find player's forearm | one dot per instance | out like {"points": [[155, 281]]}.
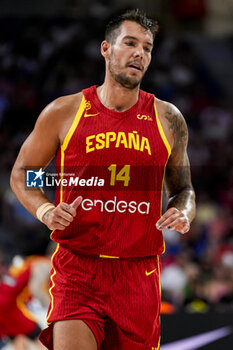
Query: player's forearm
{"points": [[185, 202], [30, 199], [35, 201]]}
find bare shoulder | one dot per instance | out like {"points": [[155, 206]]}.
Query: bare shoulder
{"points": [[59, 114], [173, 122], [62, 107]]}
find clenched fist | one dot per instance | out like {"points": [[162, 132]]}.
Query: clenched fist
{"points": [[174, 219], [61, 216]]}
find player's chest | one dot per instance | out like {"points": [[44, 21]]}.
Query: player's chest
{"points": [[105, 140]]}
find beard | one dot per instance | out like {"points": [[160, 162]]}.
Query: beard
{"points": [[126, 81]]}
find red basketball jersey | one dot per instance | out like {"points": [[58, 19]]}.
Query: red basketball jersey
{"points": [[116, 162]]}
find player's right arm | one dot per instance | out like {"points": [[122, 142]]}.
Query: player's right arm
{"points": [[37, 151]]}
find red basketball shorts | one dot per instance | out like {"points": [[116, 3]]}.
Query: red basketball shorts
{"points": [[119, 299]]}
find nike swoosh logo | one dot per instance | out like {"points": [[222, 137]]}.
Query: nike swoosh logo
{"points": [[90, 115], [149, 273], [197, 341]]}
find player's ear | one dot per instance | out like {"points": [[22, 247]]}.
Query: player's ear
{"points": [[105, 49]]}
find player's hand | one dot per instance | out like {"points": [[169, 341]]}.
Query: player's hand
{"points": [[174, 219], [61, 216]]}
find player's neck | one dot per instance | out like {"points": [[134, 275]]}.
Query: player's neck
{"points": [[115, 97]]}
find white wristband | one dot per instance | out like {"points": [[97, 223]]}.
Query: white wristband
{"points": [[43, 209]]}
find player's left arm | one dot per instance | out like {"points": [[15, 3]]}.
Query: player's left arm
{"points": [[181, 197]]}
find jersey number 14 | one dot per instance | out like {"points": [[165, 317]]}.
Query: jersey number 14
{"points": [[122, 175]]}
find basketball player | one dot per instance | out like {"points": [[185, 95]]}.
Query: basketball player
{"points": [[117, 141]]}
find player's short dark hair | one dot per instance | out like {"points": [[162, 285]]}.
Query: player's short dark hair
{"points": [[135, 15]]}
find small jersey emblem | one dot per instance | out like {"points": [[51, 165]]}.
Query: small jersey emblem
{"points": [[144, 117], [90, 115], [88, 107], [150, 272]]}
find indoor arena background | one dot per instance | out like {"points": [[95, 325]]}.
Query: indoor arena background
{"points": [[51, 48]]}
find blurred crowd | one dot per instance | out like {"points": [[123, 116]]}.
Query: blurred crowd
{"points": [[41, 59]]}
